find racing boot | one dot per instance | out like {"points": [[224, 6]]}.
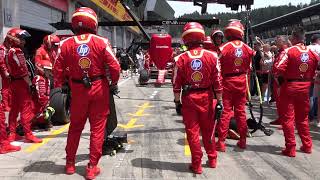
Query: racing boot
{"points": [[306, 150], [242, 143], [30, 138], [221, 146], [7, 148], [70, 168], [14, 137], [290, 152], [195, 170], [92, 172], [212, 163]]}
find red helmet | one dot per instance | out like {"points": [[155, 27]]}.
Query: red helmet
{"points": [[42, 65], [216, 32], [207, 43], [193, 32], [84, 19], [50, 40], [234, 30], [15, 36]]}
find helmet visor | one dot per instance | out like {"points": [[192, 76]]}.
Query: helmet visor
{"points": [[23, 35]]}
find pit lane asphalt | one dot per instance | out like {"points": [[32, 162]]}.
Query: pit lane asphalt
{"points": [[156, 150]]}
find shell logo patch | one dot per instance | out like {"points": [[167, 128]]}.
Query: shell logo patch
{"points": [[303, 67], [196, 76], [238, 62], [85, 63]]}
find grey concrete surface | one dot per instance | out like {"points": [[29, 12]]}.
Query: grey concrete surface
{"points": [[156, 150]]}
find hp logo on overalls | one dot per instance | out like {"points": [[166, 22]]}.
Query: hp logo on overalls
{"points": [[83, 50], [196, 64]]}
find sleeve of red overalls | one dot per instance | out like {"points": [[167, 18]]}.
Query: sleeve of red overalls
{"points": [[3, 67], [177, 78], [38, 56], [216, 76], [18, 57], [59, 71], [113, 64], [282, 64], [40, 85]]}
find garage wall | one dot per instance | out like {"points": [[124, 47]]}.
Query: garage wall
{"points": [[35, 15]]}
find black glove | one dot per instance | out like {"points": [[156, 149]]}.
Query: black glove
{"points": [[218, 110], [32, 89], [114, 89], [178, 107]]}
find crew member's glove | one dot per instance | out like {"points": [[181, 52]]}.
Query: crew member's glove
{"points": [[178, 106], [32, 89], [114, 89], [219, 110]]}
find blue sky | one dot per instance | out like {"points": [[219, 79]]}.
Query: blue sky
{"points": [[183, 7]]}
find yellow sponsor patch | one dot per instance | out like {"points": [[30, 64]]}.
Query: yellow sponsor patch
{"points": [[303, 67], [85, 63], [197, 76], [238, 62]]}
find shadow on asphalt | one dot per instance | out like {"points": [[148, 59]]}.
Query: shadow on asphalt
{"points": [[270, 149], [156, 130], [50, 167], [160, 165]]}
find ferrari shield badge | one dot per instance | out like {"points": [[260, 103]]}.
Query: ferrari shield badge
{"points": [[84, 63]]}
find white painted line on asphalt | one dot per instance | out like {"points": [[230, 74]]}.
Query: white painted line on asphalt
{"points": [[122, 82]]}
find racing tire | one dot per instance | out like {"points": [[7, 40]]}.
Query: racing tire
{"points": [[60, 103], [143, 77]]}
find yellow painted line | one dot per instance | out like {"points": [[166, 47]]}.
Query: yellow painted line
{"points": [[145, 105], [139, 113], [53, 134], [130, 124], [187, 151]]}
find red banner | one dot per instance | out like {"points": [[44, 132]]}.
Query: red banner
{"points": [[58, 4]]}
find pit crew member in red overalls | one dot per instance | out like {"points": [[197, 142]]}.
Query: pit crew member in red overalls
{"points": [[21, 86], [297, 68], [41, 82], [235, 59], [5, 89], [5, 146], [48, 49], [281, 44], [197, 72], [83, 59]]}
